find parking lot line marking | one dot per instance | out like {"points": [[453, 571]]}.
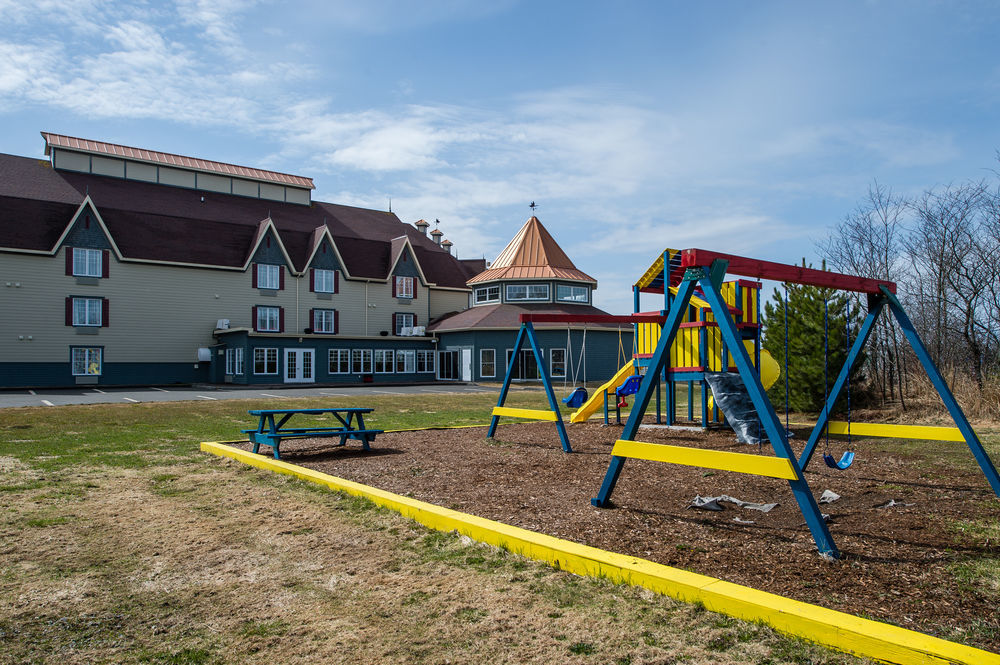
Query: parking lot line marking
{"points": [[206, 397], [160, 390], [387, 392], [32, 392], [129, 399], [335, 394], [47, 402], [270, 395], [98, 390]]}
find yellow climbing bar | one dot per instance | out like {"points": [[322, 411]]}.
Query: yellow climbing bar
{"points": [[924, 432], [534, 414], [757, 465]]}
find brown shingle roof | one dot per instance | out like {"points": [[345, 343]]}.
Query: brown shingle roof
{"points": [[507, 316], [532, 254], [169, 159], [159, 223]]}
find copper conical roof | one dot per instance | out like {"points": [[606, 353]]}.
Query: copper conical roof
{"points": [[532, 254]]}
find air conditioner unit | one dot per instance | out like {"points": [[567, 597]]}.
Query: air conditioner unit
{"points": [[222, 324], [406, 331], [419, 331]]}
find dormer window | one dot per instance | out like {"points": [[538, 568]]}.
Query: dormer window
{"points": [[268, 276], [567, 293], [527, 292], [88, 262], [404, 287]]}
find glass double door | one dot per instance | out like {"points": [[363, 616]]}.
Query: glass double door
{"points": [[300, 365]]}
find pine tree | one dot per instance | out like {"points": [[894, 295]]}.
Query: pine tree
{"points": [[807, 354]]}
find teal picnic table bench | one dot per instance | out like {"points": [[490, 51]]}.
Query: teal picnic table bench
{"points": [[272, 427]]}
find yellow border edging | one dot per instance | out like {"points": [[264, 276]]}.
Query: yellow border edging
{"points": [[841, 631]]}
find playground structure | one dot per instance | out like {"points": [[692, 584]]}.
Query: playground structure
{"points": [[687, 274]]}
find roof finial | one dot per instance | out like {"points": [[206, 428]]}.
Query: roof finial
{"points": [[532, 205], [390, 204]]}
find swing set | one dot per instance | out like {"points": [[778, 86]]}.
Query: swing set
{"points": [[705, 270]]}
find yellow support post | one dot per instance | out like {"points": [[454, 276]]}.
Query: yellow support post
{"points": [[533, 414], [756, 465]]}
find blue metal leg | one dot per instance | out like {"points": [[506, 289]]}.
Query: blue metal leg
{"points": [[502, 399], [775, 433], [875, 306], [641, 401], [971, 439], [547, 383]]}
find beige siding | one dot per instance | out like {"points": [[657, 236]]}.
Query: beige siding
{"points": [[213, 183], [107, 166], [176, 177], [245, 187], [140, 171], [296, 195], [73, 161], [442, 302], [272, 192]]}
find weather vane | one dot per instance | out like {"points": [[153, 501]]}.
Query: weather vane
{"points": [[532, 205]]}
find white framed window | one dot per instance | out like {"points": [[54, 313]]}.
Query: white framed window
{"points": [[234, 361], [384, 361], [361, 361], [324, 321], [340, 361], [87, 311], [527, 292], [269, 319], [406, 361], [487, 363], [265, 360], [425, 361], [324, 281], [86, 361], [557, 363], [569, 293], [405, 286], [88, 262], [487, 294], [404, 320], [268, 276]]}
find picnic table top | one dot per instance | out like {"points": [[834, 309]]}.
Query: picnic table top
{"points": [[340, 409]]}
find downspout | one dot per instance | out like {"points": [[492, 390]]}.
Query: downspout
{"points": [[366, 308]]}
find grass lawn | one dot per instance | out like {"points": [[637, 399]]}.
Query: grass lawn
{"points": [[121, 543]]}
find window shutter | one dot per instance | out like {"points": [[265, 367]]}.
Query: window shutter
{"points": [[105, 263], [312, 319], [281, 278], [254, 315], [414, 320], [281, 319], [394, 328], [336, 321], [336, 281], [254, 285], [69, 261], [393, 286], [105, 312], [415, 283], [69, 311], [312, 280]]}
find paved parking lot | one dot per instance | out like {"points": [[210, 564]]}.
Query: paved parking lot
{"points": [[92, 395]]}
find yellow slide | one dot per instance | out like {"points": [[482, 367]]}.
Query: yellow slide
{"points": [[596, 400]]}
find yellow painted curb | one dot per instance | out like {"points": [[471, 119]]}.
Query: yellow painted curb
{"points": [[844, 632]]}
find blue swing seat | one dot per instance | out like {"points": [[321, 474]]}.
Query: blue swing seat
{"points": [[576, 398], [630, 387], [845, 461]]}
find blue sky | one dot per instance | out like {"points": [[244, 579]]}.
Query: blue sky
{"points": [[745, 127]]}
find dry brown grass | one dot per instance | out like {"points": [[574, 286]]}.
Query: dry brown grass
{"points": [[205, 561]]}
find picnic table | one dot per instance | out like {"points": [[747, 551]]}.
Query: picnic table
{"points": [[272, 427]]}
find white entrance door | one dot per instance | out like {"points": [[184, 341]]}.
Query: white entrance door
{"points": [[467, 364], [299, 365]]}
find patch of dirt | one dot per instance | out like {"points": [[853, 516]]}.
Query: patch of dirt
{"points": [[898, 563]]}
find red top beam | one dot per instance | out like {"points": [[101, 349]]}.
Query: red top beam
{"points": [[593, 318], [780, 272]]}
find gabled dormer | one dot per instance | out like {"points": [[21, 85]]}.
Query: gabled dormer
{"points": [[268, 259], [405, 274], [87, 245], [325, 263]]}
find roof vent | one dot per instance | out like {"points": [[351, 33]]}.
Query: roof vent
{"points": [[447, 244], [421, 226]]}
